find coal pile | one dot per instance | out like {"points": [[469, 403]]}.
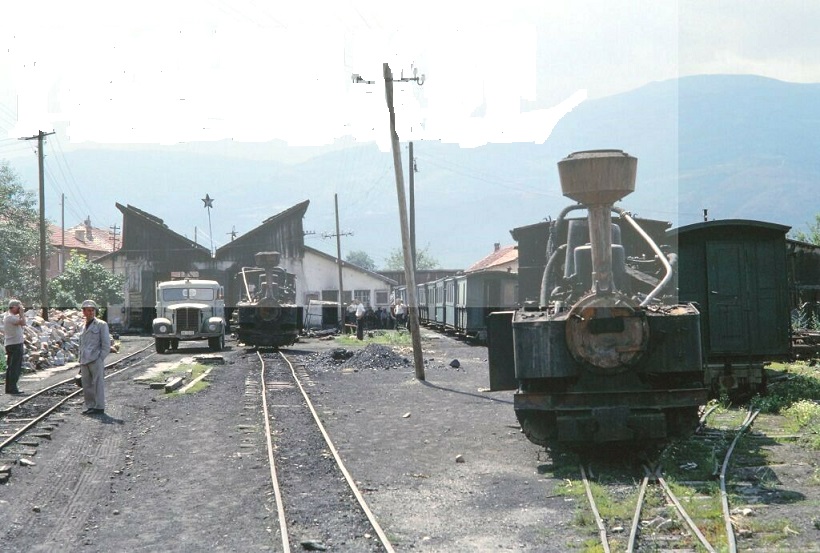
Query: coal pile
{"points": [[372, 356]]}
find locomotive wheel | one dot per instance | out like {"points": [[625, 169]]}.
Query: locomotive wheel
{"points": [[538, 426]]}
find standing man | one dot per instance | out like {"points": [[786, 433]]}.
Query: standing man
{"points": [[360, 311], [401, 312], [13, 323], [95, 343]]}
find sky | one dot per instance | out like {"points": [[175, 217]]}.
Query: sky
{"points": [[190, 72]]}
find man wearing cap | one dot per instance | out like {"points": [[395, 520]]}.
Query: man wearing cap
{"points": [[13, 323], [95, 343]]}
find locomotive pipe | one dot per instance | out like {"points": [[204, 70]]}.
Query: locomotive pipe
{"points": [[268, 260], [667, 267], [555, 228], [601, 241], [598, 179], [546, 280]]}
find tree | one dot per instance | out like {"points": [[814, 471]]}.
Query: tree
{"points": [[813, 235], [424, 261], [82, 280], [19, 238], [361, 259]]}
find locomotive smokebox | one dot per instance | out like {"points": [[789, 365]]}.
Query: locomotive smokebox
{"points": [[268, 260], [597, 179]]}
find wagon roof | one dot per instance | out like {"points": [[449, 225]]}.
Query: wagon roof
{"points": [[729, 223]]}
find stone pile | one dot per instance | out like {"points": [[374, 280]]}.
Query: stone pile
{"points": [[54, 342]]}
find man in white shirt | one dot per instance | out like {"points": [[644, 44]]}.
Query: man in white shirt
{"points": [[360, 311], [401, 314], [13, 323]]}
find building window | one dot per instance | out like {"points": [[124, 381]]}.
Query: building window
{"points": [[382, 297], [348, 297], [330, 295], [362, 296], [310, 296]]}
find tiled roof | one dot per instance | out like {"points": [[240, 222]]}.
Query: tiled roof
{"points": [[77, 238], [501, 256]]}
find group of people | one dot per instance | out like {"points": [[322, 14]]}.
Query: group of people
{"points": [[365, 318], [95, 343]]}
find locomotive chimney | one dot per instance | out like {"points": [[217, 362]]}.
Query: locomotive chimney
{"points": [[268, 260], [598, 179]]}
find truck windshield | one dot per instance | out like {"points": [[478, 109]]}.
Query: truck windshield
{"points": [[181, 294]]}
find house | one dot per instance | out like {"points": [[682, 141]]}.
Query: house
{"points": [[83, 239], [501, 259]]}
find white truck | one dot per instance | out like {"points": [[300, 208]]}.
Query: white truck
{"points": [[189, 310]]}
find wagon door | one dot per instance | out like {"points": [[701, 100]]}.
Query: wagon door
{"points": [[728, 304]]}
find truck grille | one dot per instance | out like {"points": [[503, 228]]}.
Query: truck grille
{"points": [[188, 319]]}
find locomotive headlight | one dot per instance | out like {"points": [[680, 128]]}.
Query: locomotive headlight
{"points": [[163, 328], [212, 327]]}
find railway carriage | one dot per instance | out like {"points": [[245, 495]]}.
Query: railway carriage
{"points": [[736, 272], [438, 303], [421, 298], [479, 294], [450, 301]]}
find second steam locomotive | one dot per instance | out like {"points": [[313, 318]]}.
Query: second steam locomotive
{"points": [[267, 315]]}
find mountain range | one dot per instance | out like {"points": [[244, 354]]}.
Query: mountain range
{"points": [[737, 146]]}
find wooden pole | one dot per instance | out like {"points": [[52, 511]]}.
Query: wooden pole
{"points": [[342, 311], [411, 182], [409, 273], [43, 281]]}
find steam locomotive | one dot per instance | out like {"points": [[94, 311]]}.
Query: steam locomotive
{"points": [[267, 314], [594, 363]]}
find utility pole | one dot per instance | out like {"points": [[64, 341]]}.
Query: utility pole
{"points": [[114, 233], [338, 236], [412, 170], [409, 269], [409, 255], [43, 282], [62, 234]]}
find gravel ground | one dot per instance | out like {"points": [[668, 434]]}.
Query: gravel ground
{"points": [[441, 463]]}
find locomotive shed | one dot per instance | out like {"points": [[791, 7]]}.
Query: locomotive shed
{"points": [[189, 473]]}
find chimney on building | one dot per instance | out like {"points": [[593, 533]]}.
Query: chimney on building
{"points": [[497, 246], [79, 234], [89, 234]]}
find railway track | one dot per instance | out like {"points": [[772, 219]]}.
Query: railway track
{"points": [[307, 473], [659, 531], [31, 419]]}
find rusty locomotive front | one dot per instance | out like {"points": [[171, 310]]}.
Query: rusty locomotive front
{"points": [[594, 363], [267, 314]]}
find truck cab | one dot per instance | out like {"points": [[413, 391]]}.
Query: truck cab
{"points": [[189, 310]]}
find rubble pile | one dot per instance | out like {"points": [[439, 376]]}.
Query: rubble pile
{"points": [[52, 343]]}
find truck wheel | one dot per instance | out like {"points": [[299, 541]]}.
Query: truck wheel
{"points": [[174, 344], [216, 343], [161, 344]]}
